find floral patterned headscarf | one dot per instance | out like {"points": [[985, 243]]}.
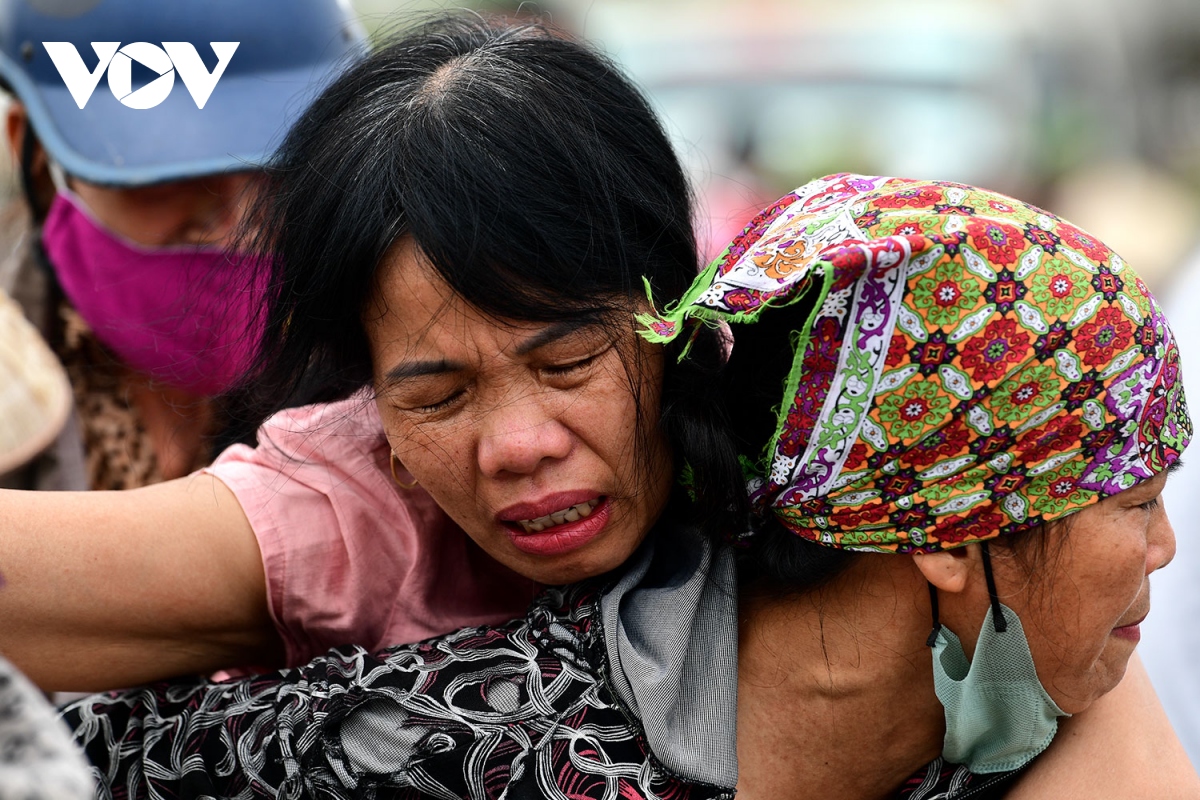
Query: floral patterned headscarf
{"points": [[972, 366]]}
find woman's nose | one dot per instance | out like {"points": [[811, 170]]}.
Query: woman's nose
{"points": [[519, 437], [1160, 541], [219, 207]]}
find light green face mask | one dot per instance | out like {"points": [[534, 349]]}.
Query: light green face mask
{"points": [[998, 715]]}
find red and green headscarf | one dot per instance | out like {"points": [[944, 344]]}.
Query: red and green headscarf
{"points": [[972, 365]]}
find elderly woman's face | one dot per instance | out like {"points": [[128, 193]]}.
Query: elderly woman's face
{"points": [[528, 435], [1082, 605]]}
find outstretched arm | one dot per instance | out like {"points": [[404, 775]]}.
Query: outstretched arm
{"points": [[109, 589], [1123, 746]]}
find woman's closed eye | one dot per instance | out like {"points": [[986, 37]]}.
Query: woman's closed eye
{"points": [[567, 366], [1149, 505], [571, 366], [442, 404], [431, 406]]}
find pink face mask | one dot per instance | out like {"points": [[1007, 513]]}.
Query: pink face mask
{"points": [[181, 315]]}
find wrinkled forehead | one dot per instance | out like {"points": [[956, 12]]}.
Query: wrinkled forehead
{"points": [[411, 309], [412, 312], [408, 296]]}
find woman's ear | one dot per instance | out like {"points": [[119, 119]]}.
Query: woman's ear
{"points": [[949, 570], [16, 125], [16, 129]]}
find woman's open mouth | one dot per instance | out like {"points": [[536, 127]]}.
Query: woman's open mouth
{"points": [[569, 514], [560, 531]]}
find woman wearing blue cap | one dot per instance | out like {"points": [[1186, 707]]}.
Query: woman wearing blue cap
{"points": [[133, 192]]}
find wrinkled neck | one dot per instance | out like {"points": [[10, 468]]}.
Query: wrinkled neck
{"points": [[841, 678]]}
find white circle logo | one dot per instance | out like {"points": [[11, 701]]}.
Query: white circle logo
{"points": [[120, 75]]}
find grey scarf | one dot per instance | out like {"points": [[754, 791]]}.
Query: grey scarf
{"points": [[670, 627]]}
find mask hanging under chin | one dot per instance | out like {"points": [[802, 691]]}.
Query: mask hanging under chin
{"points": [[998, 715]]}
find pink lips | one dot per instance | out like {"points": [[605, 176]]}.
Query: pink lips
{"points": [[1131, 632], [558, 539]]}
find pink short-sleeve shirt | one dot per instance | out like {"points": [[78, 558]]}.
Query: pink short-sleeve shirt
{"points": [[350, 557]]}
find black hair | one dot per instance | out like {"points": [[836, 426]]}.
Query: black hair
{"points": [[774, 560], [528, 170]]}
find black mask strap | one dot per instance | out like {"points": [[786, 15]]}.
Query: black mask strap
{"points": [[998, 620], [937, 624]]}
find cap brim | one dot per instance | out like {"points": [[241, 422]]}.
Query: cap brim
{"points": [[108, 143], [35, 396]]}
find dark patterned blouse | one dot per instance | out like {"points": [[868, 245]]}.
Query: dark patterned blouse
{"points": [[516, 711]]}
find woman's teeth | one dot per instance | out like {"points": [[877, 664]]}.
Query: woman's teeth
{"points": [[570, 514]]}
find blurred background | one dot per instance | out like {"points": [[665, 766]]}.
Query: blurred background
{"points": [[1090, 108]]}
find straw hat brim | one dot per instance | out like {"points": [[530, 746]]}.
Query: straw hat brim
{"points": [[35, 395]]}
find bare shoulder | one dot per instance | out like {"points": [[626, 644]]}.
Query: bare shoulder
{"points": [[1121, 747]]}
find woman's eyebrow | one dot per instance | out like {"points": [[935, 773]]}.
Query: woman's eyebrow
{"points": [[555, 332], [417, 369]]}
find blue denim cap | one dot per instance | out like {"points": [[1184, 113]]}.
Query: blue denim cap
{"points": [[287, 51]]}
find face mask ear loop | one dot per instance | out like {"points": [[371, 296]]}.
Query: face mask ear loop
{"points": [[58, 176], [998, 620], [937, 624]]}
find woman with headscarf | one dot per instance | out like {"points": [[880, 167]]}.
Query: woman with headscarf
{"points": [[942, 544]]}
